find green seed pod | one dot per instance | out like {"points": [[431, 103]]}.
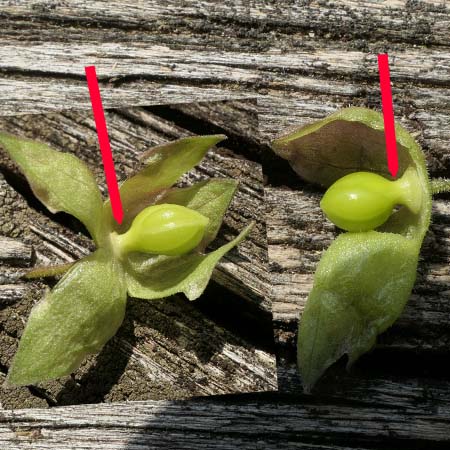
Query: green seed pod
{"points": [[165, 229], [362, 201]]}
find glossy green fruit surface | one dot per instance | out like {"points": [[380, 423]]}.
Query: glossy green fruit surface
{"points": [[362, 201], [165, 229]]}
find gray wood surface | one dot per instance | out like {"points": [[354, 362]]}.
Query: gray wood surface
{"points": [[15, 251], [301, 60], [233, 424]]}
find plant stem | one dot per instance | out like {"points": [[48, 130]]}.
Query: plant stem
{"points": [[48, 271]]}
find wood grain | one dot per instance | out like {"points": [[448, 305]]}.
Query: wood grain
{"points": [[14, 251], [396, 20], [12, 292], [253, 424], [297, 68]]}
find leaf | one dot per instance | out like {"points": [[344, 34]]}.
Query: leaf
{"points": [[350, 140], [82, 312], [59, 180], [361, 286], [161, 276], [164, 166], [210, 198]]}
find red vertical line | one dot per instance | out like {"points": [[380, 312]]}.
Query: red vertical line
{"points": [[388, 114], [105, 146]]}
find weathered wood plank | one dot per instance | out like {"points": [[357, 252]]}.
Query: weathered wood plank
{"points": [[422, 65], [308, 96], [12, 292], [245, 423], [39, 94], [232, 66], [230, 117], [424, 22], [16, 252]]}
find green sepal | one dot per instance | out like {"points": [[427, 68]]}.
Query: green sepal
{"points": [[156, 277], [361, 286], [61, 181], [164, 166], [81, 313]]}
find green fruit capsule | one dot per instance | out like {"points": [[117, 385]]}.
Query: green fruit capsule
{"points": [[362, 201], [164, 229]]}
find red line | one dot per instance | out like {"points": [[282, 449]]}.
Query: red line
{"points": [[388, 114], [103, 141]]}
